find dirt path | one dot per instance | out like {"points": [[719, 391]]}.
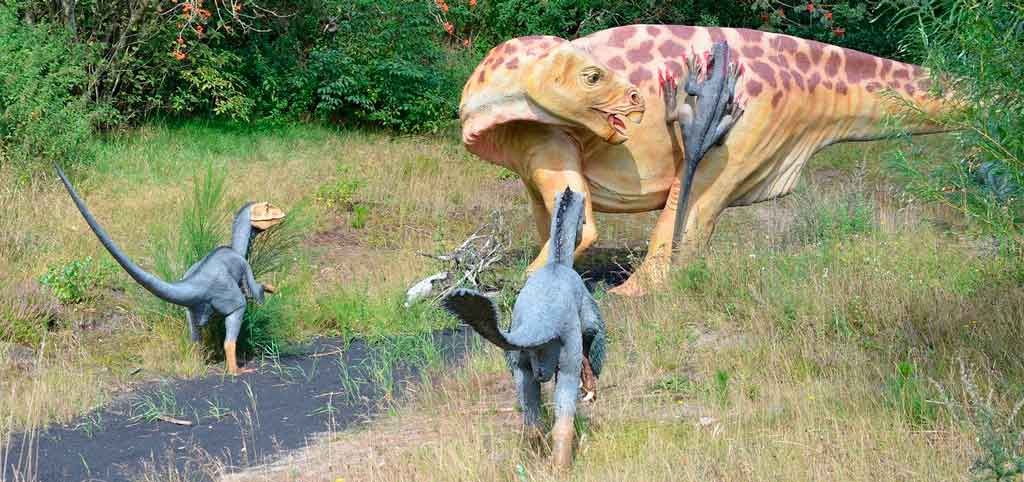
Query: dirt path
{"points": [[235, 422]]}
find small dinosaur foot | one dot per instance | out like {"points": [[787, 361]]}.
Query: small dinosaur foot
{"points": [[588, 382], [231, 361], [562, 435]]}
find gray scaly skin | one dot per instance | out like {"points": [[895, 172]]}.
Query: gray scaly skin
{"points": [[707, 114], [213, 285], [555, 325]]}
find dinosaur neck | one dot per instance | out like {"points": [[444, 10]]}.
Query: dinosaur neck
{"points": [[241, 231], [564, 228], [900, 92], [173, 293]]}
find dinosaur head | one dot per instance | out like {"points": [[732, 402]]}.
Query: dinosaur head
{"points": [[263, 215], [571, 84]]}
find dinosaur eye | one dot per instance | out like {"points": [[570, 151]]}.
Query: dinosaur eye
{"points": [[591, 76]]}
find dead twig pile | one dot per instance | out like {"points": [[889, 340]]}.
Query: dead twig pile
{"points": [[467, 265]]}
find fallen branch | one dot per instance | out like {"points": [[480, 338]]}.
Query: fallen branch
{"points": [[465, 266], [175, 421]]}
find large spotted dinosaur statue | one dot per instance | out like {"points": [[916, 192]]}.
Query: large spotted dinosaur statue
{"points": [[553, 111]]}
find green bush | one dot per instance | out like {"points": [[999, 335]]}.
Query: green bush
{"points": [[383, 64], [977, 48], [44, 116], [76, 281]]}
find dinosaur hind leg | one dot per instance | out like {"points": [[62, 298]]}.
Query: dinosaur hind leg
{"points": [[712, 190], [564, 431], [554, 164], [528, 393], [233, 324]]}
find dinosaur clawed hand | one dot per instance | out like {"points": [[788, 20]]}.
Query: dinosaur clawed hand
{"points": [[706, 88]]}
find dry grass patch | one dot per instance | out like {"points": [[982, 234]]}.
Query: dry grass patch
{"points": [[813, 349]]}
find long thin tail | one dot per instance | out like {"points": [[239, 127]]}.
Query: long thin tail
{"points": [[172, 293], [871, 105]]}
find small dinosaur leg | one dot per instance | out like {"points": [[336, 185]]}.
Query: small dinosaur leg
{"points": [[528, 392], [233, 324], [193, 329], [564, 431], [588, 382]]}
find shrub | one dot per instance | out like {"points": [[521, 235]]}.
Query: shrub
{"points": [[76, 280], [905, 392], [383, 64], [44, 117], [977, 48]]}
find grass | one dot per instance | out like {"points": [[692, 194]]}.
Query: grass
{"points": [[817, 339], [812, 341]]}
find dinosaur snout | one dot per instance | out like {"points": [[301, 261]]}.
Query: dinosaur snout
{"points": [[635, 111]]}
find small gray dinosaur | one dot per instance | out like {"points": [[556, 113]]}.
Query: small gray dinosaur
{"points": [[707, 114], [212, 285], [556, 329]]}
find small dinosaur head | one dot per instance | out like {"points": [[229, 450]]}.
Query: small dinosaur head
{"points": [[263, 215], [571, 84]]}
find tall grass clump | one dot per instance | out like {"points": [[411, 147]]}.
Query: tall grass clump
{"points": [[976, 49], [205, 224]]}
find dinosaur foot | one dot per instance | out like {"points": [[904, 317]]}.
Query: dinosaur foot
{"points": [[632, 288], [562, 435], [231, 361], [588, 382], [241, 371]]}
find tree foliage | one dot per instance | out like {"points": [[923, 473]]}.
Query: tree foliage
{"points": [[977, 48], [397, 64]]}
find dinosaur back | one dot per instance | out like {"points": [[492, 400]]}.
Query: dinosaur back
{"points": [[495, 95]]}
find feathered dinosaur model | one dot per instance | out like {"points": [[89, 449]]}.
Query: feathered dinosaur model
{"points": [[214, 285], [556, 330], [708, 113]]}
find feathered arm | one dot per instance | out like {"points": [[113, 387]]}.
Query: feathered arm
{"points": [[479, 312], [593, 335]]}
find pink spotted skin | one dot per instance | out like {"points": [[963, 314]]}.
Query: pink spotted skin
{"points": [[798, 96]]}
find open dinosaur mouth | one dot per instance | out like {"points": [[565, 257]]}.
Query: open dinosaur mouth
{"points": [[617, 124]]}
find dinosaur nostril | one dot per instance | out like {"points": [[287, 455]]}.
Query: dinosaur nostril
{"points": [[634, 97]]}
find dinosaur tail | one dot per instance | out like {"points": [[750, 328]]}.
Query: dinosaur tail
{"points": [[565, 227], [172, 293], [904, 95]]}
